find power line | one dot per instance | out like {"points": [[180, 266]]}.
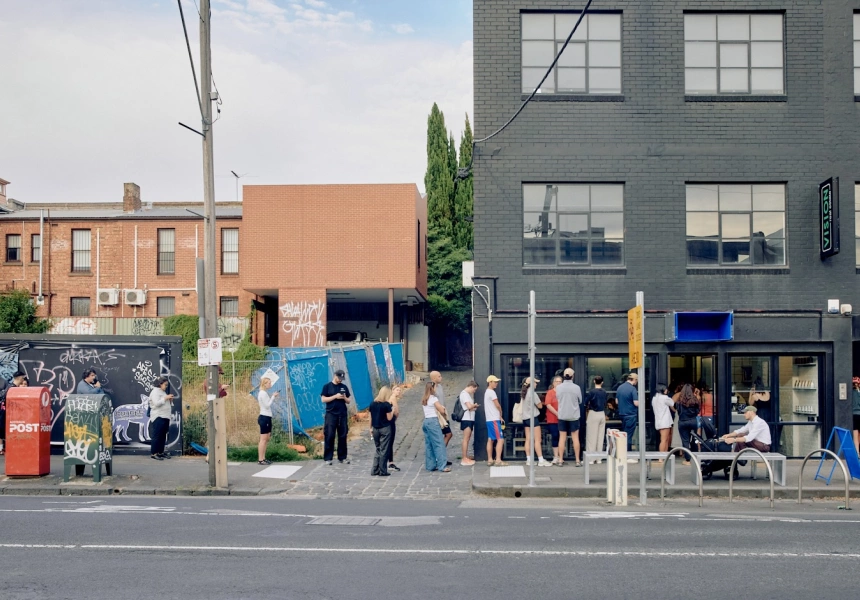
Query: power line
{"points": [[190, 57], [465, 172]]}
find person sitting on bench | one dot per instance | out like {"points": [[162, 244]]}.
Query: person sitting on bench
{"points": [[755, 434]]}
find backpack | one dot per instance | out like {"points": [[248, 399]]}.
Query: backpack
{"points": [[457, 413]]}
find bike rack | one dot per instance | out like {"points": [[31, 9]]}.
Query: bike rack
{"points": [[735, 463], [841, 465], [698, 469]]}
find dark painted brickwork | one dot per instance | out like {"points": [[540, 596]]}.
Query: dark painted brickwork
{"points": [[654, 141]]}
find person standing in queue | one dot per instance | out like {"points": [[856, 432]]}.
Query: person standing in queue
{"points": [[335, 395], [531, 407], [467, 424], [628, 407], [688, 411], [595, 416], [436, 378], [435, 453], [396, 392], [493, 416], [855, 412], [569, 397], [381, 416], [551, 402], [265, 401], [160, 410], [663, 408]]}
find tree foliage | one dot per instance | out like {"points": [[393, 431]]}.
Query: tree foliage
{"points": [[463, 196], [438, 182], [18, 314], [188, 328]]}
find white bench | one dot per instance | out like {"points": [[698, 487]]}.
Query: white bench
{"points": [[776, 460], [587, 457]]}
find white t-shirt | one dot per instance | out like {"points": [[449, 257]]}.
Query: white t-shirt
{"points": [[429, 409], [466, 399], [491, 413], [662, 415], [265, 403]]}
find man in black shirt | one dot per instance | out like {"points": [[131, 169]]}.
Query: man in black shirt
{"points": [[335, 396], [595, 421]]}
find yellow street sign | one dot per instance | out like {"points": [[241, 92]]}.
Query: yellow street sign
{"points": [[634, 337]]}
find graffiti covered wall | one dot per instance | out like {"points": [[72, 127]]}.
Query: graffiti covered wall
{"points": [[301, 318]]}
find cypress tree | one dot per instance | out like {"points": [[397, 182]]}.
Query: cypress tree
{"points": [[438, 182], [463, 198]]}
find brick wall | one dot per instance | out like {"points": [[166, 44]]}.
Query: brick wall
{"points": [[115, 251], [655, 141]]}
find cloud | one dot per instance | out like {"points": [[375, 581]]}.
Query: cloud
{"points": [[328, 103], [402, 28], [316, 3]]}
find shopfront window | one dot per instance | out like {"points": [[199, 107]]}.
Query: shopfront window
{"points": [[751, 378], [799, 428]]}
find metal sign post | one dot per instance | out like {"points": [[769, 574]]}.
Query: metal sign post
{"points": [[531, 320], [636, 341]]}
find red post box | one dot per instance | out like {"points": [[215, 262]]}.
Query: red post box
{"points": [[28, 431]]}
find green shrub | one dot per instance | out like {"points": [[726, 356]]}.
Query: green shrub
{"points": [[188, 328]]}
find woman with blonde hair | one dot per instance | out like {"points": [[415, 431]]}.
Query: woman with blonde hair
{"points": [[396, 392], [381, 413], [265, 419], [435, 453]]}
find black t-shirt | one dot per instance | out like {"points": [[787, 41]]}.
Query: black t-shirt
{"points": [[596, 400], [335, 407], [379, 414]]}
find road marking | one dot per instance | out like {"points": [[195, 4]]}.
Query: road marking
{"points": [[623, 515], [460, 551]]}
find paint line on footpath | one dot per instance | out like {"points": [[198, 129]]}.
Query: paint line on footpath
{"points": [[459, 551]]}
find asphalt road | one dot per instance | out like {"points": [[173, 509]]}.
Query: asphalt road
{"points": [[182, 547]]}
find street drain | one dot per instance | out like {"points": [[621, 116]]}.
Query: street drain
{"points": [[345, 521]]}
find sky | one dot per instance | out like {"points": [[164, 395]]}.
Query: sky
{"points": [[313, 91]]}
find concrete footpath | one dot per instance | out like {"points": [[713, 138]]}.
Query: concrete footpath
{"points": [[140, 475]]}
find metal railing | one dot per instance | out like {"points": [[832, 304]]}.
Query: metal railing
{"points": [[841, 465], [698, 470], [734, 465]]}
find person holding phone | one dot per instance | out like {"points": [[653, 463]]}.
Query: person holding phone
{"points": [[160, 407], [335, 395], [89, 383]]}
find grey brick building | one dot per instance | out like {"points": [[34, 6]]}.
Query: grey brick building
{"points": [[676, 149]]}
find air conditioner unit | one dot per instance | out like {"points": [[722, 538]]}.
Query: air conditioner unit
{"points": [[134, 297], [108, 297]]}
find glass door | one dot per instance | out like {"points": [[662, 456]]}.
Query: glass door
{"points": [[798, 429], [698, 370]]}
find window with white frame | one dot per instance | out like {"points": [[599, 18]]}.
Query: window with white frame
{"points": [[81, 245], [734, 53], [13, 248], [739, 225], [573, 225], [166, 251], [857, 53], [857, 223], [36, 248], [591, 63], [229, 251]]}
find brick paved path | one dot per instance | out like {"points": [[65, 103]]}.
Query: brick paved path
{"points": [[412, 481]]}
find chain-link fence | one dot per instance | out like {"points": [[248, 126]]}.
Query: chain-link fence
{"points": [[240, 379]]}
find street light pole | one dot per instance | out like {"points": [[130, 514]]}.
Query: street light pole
{"points": [[216, 422]]}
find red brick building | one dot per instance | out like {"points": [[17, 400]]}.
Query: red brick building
{"points": [[312, 259]]}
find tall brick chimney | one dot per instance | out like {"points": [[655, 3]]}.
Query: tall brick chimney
{"points": [[130, 197]]}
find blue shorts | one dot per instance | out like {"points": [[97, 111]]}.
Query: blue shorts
{"points": [[526, 423], [553, 432], [568, 426], [464, 425], [494, 431]]}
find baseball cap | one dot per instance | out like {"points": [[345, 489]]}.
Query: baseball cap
{"points": [[340, 373], [528, 381], [751, 409], [568, 372], [492, 378]]}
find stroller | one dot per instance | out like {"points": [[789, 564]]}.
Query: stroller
{"points": [[709, 441]]}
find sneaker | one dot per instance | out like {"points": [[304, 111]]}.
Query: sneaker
{"points": [[155, 457], [528, 462], [543, 463], [328, 462], [344, 462], [165, 455], [264, 462]]}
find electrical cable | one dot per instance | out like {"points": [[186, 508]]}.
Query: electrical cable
{"points": [[190, 57], [465, 172]]}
